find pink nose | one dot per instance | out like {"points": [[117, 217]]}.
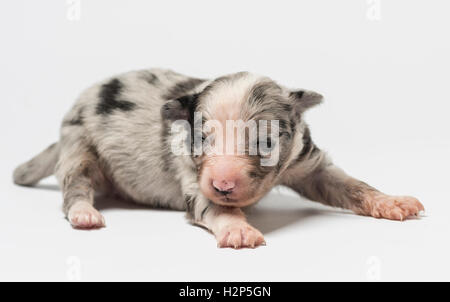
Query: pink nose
{"points": [[224, 186]]}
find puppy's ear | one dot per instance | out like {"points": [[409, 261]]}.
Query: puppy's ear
{"points": [[305, 99], [182, 108]]}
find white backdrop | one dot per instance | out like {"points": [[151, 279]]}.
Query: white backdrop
{"points": [[383, 67]]}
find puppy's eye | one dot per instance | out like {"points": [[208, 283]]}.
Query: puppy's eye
{"points": [[266, 146]]}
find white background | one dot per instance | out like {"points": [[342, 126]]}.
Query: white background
{"points": [[385, 120]]}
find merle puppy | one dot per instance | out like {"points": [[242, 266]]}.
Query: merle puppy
{"points": [[118, 138]]}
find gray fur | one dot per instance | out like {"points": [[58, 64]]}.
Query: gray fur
{"points": [[316, 178], [305, 99], [41, 166]]}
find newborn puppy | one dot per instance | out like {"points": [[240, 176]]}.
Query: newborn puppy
{"points": [[162, 139]]}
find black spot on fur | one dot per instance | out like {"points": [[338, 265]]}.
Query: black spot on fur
{"points": [[292, 123], [297, 94], [86, 172], [309, 148], [182, 108], [204, 212], [190, 203], [182, 102], [307, 144], [182, 88], [287, 107], [93, 150], [109, 99]]}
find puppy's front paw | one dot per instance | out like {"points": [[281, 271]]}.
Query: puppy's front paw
{"points": [[240, 235], [392, 207], [82, 215]]}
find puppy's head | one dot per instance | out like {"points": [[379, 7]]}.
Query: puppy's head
{"points": [[243, 134]]}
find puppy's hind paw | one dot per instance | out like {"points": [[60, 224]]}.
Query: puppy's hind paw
{"points": [[82, 215]]}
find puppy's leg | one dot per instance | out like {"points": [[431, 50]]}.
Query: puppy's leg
{"points": [[229, 225], [318, 179], [79, 175]]}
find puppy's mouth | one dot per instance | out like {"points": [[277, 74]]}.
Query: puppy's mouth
{"points": [[230, 201], [226, 200]]}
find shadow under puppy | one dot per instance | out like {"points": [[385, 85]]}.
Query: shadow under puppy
{"points": [[119, 137]]}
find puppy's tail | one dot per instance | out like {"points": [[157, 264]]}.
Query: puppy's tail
{"points": [[41, 166]]}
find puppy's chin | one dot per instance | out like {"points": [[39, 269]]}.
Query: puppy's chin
{"points": [[232, 203]]}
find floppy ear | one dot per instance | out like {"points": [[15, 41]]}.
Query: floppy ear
{"points": [[305, 99], [182, 108]]}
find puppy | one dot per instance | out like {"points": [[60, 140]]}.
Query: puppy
{"points": [[144, 135]]}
